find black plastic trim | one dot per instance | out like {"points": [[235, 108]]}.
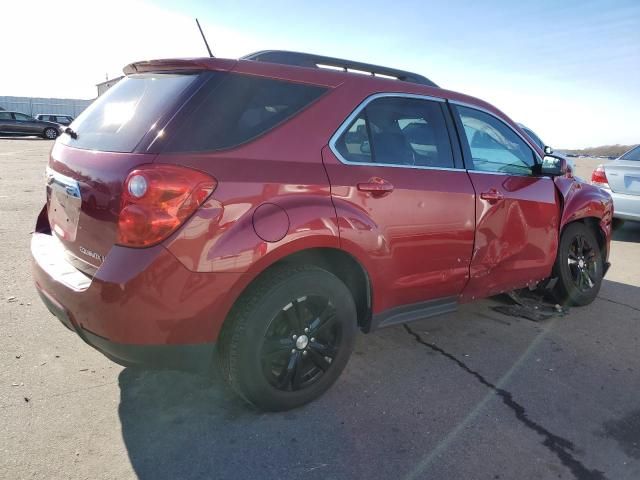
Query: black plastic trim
{"points": [[413, 312], [190, 357]]}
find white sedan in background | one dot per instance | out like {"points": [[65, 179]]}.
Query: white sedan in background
{"points": [[621, 178]]}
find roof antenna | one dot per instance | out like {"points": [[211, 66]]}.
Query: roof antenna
{"points": [[204, 38]]}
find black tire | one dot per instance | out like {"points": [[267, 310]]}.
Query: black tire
{"points": [[617, 223], [258, 354], [50, 133], [579, 266]]}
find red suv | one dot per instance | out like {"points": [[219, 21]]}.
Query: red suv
{"points": [[267, 208]]}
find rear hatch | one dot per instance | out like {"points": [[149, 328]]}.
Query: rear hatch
{"points": [[624, 174], [90, 162]]}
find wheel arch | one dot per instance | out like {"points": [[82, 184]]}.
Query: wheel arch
{"points": [[339, 262]]}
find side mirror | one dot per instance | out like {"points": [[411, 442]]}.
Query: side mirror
{"points": [[553, 166], [365, 147], [548, 150]]}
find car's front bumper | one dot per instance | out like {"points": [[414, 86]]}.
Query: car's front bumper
{"points": [[625, 206], [142, 307]]}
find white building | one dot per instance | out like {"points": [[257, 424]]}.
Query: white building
{"points": [[107, 84]]}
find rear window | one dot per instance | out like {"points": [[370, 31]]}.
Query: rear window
{"points": [[632, 154], [117, 120], [235, 109]]}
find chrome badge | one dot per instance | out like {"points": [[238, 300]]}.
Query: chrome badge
{"points": [[90, 253]]}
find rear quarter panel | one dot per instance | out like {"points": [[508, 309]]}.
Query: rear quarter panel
{"points": [[280, 176]]}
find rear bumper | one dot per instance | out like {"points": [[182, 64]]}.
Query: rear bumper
{"points": [[626, 207], [196, 357], [143, 307]]}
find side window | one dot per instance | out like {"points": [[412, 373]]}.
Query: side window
{"points": [[354, 144], [398, 131], [494, 146], [5, 116], [238, 109], [21, 117]]}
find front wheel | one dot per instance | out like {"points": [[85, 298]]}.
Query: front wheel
{"points": [[289, 337], [579, 266]]}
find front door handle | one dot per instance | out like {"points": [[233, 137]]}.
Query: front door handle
{"points": [[376, 186], [492, 196]]}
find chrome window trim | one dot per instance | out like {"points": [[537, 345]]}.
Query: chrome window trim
{"points": [[484, 110], [507, 174], [352, 116]]}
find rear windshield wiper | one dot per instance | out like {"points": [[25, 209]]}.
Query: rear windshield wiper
{"points": [[71, 132]]}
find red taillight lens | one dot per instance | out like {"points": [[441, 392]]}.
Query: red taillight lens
{"points": [[599, 177], [157, 199]]}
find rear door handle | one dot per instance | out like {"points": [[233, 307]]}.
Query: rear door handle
{"points": [[492, 196], [376, 186]]}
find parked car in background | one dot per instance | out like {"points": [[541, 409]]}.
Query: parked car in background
{"points": [[59, 119], [621, 178], [544, 147], [20, 124], [271, 208]]}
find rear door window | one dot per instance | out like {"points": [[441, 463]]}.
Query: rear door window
{"points": [[120, 118], [398, 131], [236, 109]]}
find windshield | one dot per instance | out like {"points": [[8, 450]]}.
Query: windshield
{"points": [[536, 139], [117, 120]]}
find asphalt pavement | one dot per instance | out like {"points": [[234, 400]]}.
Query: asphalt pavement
{"points": [[470, 395]]}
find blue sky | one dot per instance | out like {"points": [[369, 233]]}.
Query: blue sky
{"points": [[570, 70]]}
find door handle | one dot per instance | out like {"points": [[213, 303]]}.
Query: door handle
{"points": [[376, 186], [492, 196]]}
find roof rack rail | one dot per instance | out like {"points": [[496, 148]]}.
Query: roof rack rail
{"points": [[318, 61]]}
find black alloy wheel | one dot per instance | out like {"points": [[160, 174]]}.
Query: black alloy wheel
{"points": [[579, 266], [583, 264], [289, 337], [301, 343]]}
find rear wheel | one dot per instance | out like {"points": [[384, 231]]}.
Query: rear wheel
{"points": [[50, 133], [579, 266], [289, 337]]}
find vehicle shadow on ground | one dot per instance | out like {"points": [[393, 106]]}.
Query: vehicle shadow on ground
{"points": [[178, 425], [629, 232], [187, 426]]}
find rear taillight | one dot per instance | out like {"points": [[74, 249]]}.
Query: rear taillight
{"points": [[599, 177], [157, 199]]}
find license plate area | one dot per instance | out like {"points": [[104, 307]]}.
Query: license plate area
{"points": [[632, 183], [64, 205]]}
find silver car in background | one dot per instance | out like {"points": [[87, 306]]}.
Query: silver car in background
{"points": [[621, 178]]}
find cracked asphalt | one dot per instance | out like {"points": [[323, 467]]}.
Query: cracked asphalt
{"points": [[469, 395]]}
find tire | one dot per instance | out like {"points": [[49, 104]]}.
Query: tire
{"points": [[259, 355], [50, 133], [617, 223], [579, 266]]}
